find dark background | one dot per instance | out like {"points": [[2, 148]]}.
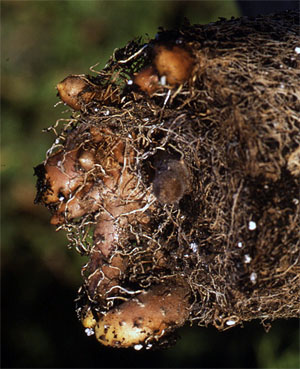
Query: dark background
{"points": [[41, 43]]}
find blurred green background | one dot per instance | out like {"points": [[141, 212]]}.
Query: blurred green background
{"points": [[41, 43]]}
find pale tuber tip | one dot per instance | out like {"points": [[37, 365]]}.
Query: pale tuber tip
{"points": [[87, 319]]}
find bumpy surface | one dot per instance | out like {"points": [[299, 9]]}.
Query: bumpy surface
{"points": [[179, 176]]}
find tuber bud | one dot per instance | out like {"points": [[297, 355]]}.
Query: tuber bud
{"points": [[78, 90], [147, 80]]}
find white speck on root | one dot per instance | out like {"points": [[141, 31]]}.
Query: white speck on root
{"points": [[194, 246], [297, 50], [240, 244], [252, 225], [231, 322], [253, 277], [138, 347], [247, 258]]}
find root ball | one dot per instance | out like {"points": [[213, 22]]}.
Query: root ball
{"points": [[220, 153]]}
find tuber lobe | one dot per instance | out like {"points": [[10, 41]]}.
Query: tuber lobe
{"points": [[77, 91], [147, 80], [61, 176], [145, 318], [73, 91], [175, 62], [87, 160]]}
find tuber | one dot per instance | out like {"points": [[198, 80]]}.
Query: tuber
{"points": [[147, 80], [171, 181], [145, 318], [174, 62]]}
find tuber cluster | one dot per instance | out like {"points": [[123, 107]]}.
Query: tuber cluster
{"points": [[178, 176]]}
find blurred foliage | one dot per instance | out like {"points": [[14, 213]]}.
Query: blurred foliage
{"points": [[41, 43]]}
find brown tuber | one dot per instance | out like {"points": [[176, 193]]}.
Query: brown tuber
{"points": [[174, 62], [61, 176], [145, 318], [147, 80], [77, 91], [171, 180], [73, 91]]}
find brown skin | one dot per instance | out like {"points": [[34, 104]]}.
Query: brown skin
{"points": [[84, 201], [66, 186], [147, 80], [61, 175], [120, 195], [175, 62], [77, 90], [145, 318], [73, 91], [171, 181], [150, 314]]}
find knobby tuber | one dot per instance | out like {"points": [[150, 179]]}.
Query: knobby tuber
{"points": [[178, 175]]}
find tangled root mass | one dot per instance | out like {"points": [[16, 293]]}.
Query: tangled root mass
{"points": [[183, 186]]}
